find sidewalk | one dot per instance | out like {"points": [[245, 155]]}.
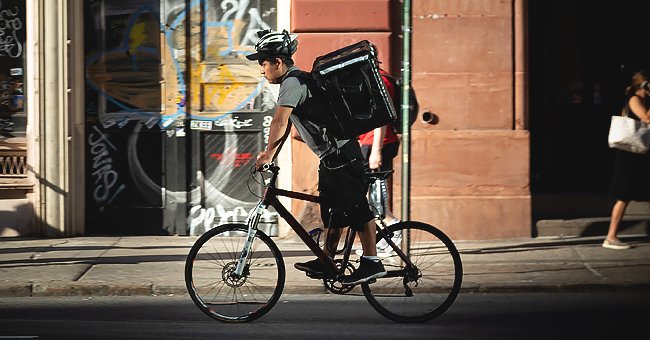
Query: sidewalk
{"points": [[154, 265]]}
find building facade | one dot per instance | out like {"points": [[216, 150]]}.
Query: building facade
{"points": [[144, 117]]}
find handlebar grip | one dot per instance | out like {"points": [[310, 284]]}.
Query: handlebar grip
{"points": [[268, 167]]}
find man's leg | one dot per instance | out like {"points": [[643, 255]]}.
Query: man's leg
{"points": [[368, 238], [370, 265], [332, 238]]}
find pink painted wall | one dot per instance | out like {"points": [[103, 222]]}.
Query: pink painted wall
{"points": [[470, 171]]}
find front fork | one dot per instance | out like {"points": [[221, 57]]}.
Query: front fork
{"points": [[253, 220]]}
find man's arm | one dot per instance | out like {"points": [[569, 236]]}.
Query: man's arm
{"points": [[278, 132], [374, 159]]}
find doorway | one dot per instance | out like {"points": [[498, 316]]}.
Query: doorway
{"points": [[581, 57]]}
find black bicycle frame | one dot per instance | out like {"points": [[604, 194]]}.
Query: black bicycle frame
{"points": [[270, 198]]}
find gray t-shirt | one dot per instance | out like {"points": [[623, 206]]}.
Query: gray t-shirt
{"points": [[295, 94]]}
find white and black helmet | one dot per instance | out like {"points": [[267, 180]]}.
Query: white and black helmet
{"points": [[274, 44]]}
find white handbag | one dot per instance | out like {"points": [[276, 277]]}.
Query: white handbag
{"points": [[629, 134]]}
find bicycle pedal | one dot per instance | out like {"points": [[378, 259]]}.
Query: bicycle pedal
{"points": [[316, 276]]}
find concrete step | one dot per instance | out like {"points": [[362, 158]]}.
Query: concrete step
{"points": [[585, 214], [592, 226]]}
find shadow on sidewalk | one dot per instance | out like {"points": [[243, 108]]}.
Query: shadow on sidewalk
{"points": [[548, 245]]}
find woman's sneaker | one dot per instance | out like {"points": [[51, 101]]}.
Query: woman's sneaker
{"points": [[616, 244], [368, 269]]}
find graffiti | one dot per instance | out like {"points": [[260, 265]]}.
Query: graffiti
{"points": [[256, 24], [128, 76], [10, 24], [234, 122], [237, 159], [218, 215], [140, 71], [267, 128], [105, 176], [222, 81]]}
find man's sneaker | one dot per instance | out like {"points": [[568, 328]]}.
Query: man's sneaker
{"points": [[368, 270], [314, 267], [615, 244]]}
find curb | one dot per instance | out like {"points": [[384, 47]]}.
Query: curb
{"points": [[55, 288], [60, 289]]}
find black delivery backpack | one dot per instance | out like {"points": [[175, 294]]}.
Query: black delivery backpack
{"points": [[350, 79]]}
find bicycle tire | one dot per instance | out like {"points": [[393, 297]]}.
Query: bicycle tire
{"points": [[221, 296], [440, 275]]}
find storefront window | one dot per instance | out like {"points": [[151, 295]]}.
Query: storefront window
{"points": [[12, 40], [163, 102], [12, 98]]}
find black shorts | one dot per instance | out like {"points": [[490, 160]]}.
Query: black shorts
{"points": [[343, 189]]}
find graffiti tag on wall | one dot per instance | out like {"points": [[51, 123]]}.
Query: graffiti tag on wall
{"points": [[10, 26], [202, 219], [105, 176]]}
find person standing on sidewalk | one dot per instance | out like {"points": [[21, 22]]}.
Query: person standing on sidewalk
{"points": [[340, 173], [630, 181], [379, 148]]}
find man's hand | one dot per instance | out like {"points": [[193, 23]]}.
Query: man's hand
{"points": [[374, 161], [262, 158]]}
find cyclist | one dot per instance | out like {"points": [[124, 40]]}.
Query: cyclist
{"points": [[340, 175]]}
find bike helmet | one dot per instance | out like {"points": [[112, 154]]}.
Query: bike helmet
{"points": [[274, 44]]}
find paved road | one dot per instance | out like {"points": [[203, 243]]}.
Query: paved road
{"points": [[502, 316]]}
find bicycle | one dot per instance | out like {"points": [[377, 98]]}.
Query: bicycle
{"points": [[236, 273]]}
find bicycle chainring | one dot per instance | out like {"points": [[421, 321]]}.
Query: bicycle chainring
{"points": [[335, 286]]}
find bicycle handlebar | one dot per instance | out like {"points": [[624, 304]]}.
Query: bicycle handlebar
{"points": [[271, 167]]}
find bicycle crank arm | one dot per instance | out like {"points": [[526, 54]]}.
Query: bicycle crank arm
{"points": [[395, 273]]}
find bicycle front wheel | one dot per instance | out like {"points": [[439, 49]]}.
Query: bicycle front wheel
{"points": [[215, 288], [423, 292]]}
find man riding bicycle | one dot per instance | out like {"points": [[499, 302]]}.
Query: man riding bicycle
{"points": [[342, 189]]}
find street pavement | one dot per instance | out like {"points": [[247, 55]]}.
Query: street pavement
{"points": [[154, 265]]}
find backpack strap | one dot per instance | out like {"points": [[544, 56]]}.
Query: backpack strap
{"points": [[321, 112]]}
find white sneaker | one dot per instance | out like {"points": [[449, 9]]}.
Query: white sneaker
{"points": [[382, 245], [384, 250], [616, 244], [392, 221]]}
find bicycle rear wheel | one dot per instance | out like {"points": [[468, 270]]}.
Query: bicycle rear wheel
{"points": [[422, 293], [217, 291]]}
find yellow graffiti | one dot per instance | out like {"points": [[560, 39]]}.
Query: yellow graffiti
{"points": [[225, 77], [226, 80], [220, 80], [137, 36]]}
